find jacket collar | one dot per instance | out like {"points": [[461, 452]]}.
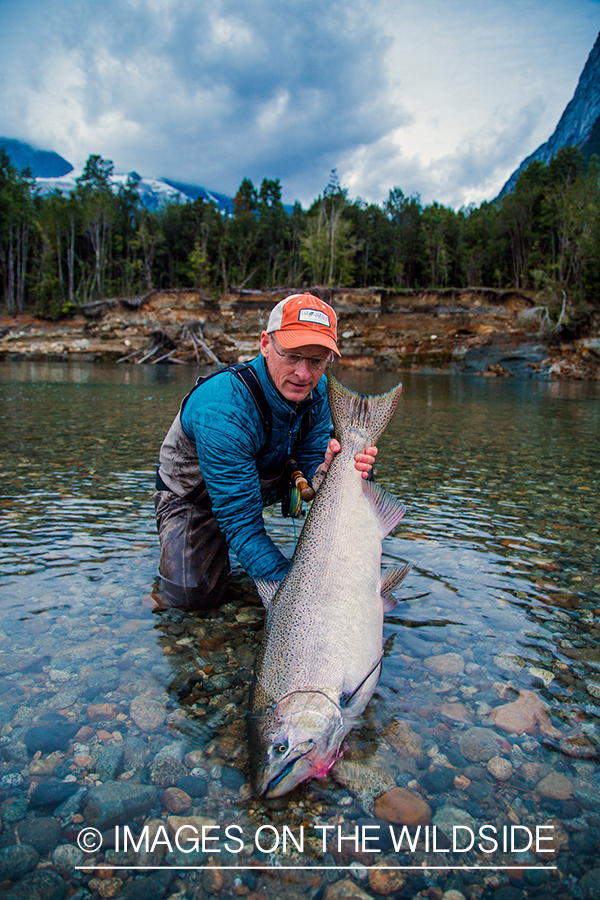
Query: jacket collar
{"points": [[275, 399]]}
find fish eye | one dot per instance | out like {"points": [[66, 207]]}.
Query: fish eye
{"points": [[280, 749]]}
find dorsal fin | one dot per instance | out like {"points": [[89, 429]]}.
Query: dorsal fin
{"points": [[388, 509]]}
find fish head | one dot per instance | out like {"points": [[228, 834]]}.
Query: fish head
{"points": [[297, 739]]}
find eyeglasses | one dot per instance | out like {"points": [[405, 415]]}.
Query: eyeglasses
{"points": [[317, 363]]}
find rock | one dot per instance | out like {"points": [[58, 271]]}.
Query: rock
{"points": [[445, 664], [109, 761], [67, 856], [553, 838], [102, 711], [48, 738], [212, 880], [39, 885], [166, 771], [17, 861], [194, 823], [455, 711], [116, 802], [102, 680], [109, 887], [176, 801], [479, 744], [52, 793], [13, 810], [450, 817], [367, 778], [386, 881], [148, 887], [149, 857], [194, 785], [579, 747], [555, 786], [590, 884], [501, 769], [43, 833], [232, 778], [403, 739], [438, 780], [526, 715], [45, 765], [402, 807], [585, 793], [147, 714], [345, 890]]}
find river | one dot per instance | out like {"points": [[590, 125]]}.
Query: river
{"points": [[117, 715]]}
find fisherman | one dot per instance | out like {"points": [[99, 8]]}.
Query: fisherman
{"points": [[224, 457]]}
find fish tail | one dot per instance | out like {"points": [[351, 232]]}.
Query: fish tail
{"points": [[369, 413]]}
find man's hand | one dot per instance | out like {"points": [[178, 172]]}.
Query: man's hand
{"points": [[362, 461]]}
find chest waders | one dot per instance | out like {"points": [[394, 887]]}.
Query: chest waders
{"points": [[194, 559]]}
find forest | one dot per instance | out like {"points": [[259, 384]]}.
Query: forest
{"points": [[58, 252]]}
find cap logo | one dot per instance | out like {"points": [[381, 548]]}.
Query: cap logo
{"points": [[314, 315]]}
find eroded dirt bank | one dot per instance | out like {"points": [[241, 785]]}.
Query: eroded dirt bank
{"points": [[484, 331]]}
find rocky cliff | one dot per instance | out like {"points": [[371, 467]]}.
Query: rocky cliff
{"points": [[477, 330], [579, 125]]}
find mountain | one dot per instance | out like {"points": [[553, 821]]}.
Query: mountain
{"points": [[579, 125], [43, 163], [53, 173]]}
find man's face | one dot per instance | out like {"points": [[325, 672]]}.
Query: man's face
{"points": [[294, 382]]}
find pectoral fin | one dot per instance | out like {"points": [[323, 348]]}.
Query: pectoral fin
{"points": [[388, 509], [391, 578], [266, 590]]}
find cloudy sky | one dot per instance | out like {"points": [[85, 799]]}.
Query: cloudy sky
{"points": [[440, 97]]}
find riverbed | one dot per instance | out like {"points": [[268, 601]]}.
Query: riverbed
{"points": [[122, 717]]}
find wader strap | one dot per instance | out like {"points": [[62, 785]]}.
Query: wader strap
{"points": [[246, 374]]}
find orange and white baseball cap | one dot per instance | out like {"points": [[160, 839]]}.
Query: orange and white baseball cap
{"points": [[304, 319]]}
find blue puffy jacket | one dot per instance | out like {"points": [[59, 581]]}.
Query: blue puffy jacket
{"points": [[219, 436]]}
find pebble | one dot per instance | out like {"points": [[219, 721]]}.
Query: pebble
{"points": [[445, 664], [386, 881], [526, 715], [42, 884], [448, 817], [345, 890], [212, 880], [403, 807], [41, 832], [501, 769], [117, 802], [438, 780], [194, 785], [52, 793], [17, 861], [176, 801], [555, 786], [67, 856], [147, 714], [45, 765], [48, 738], [479, 744], [102, 711]]}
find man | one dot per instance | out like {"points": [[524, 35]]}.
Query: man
{"points": [[224, 456]]}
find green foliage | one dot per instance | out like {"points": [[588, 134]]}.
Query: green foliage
{"points": [[58, 252]]}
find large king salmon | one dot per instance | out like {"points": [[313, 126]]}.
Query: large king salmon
{"points": [[321, 654]]}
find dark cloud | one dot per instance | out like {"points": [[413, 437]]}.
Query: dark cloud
{"points": [[215, 91]]}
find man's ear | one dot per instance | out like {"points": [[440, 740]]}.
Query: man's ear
{"points": [[264, 343]]}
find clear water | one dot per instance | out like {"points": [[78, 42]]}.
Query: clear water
{"points": [[500, 482]]}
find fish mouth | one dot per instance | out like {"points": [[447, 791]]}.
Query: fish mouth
{"points": [[300, 768]]}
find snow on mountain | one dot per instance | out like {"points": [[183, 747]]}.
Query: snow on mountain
{"points": [[154, 192]]}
